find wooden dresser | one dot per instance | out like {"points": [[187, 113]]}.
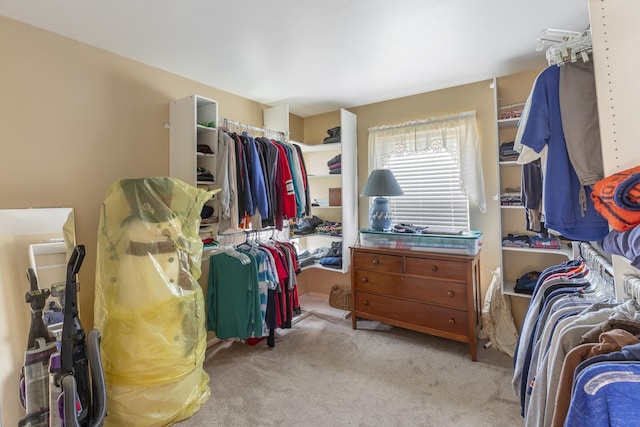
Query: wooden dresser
{"points": [[438, 294]]}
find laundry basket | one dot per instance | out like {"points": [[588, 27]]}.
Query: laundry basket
{"points": [[340, 297]]}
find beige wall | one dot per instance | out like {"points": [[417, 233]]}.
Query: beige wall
{"points": [[73, 119], [478, 97]]}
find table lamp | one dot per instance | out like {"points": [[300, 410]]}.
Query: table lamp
{"points": [[380, 183]]}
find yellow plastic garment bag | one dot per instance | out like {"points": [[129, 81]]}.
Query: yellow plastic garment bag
{"points": [[149, 306]]}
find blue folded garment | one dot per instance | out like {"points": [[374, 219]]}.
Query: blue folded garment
{"points": [[627, 195], [331, 261], [624, 243]]}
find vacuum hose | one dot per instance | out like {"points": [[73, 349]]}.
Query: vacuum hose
{"points": [[99, 393]]}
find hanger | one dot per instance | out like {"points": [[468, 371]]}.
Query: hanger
{"points": [[228, 249], [602, 285], [567, 46], [231, 251]]}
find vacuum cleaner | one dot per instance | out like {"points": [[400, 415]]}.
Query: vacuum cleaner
{"points": [[73, 392], [41, 345], [84, 396]]}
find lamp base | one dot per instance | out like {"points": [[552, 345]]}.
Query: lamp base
{"points": [[379, 214]]}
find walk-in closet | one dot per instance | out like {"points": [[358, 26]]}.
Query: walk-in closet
{"points": [[320, 213]]}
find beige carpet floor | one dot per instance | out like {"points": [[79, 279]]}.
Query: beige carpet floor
{"points": [[321, 372]]}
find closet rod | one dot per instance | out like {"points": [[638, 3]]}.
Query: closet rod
{"points": [[274, 233], [594, 258], [227, 122]]}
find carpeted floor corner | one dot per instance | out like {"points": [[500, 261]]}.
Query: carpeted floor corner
{"points": [[321, 372]]}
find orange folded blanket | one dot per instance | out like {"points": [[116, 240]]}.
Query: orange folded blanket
{"points": [[617, 198]]}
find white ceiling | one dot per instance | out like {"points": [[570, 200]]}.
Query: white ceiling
{"points": [[316, 56]]}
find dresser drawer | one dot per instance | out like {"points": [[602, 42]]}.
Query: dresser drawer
{"points": [[424, 290], [427, 316], [436, 268], [377, 262]]}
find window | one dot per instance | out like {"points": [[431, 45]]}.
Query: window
{"points": [[432, 195], [437, 163]]}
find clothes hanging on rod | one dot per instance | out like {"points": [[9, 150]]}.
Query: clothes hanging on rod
{"points": [[251, 300], [606, 393], [574, 315], [606, 384], [243, 127], [263, 181], [559, 126]]}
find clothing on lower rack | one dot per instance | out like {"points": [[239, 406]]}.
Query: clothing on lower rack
{"points": [[606, 394], [572, 320], [252, 290]]}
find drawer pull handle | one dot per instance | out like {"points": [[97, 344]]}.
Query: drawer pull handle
{"points": [[452, 321], [434, 268], [375, 262], [365, 280], [365, 302], [450, 293]]}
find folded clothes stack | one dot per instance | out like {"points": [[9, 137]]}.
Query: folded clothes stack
{"points": [[328, 257], [515, 241], [507, 153], [333, 259], [306, 258], [527, 241], [335, 165], [544, 242], [330, 228], [334, 135], [511, 197], [617, 198]]}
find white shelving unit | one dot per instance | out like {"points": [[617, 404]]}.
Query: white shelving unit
{"points": [[193, 122], [516, 261], [187, 132], [316, 157]]}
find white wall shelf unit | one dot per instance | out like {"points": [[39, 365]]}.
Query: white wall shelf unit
{"points": [[193, 122], [567, 252], [186, 133], [316, 157], [516, 261]]}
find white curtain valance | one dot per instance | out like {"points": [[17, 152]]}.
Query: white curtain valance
{"points": [[455, 133]]}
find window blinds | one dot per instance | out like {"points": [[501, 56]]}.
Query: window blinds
{"points": [[431, 183]]}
